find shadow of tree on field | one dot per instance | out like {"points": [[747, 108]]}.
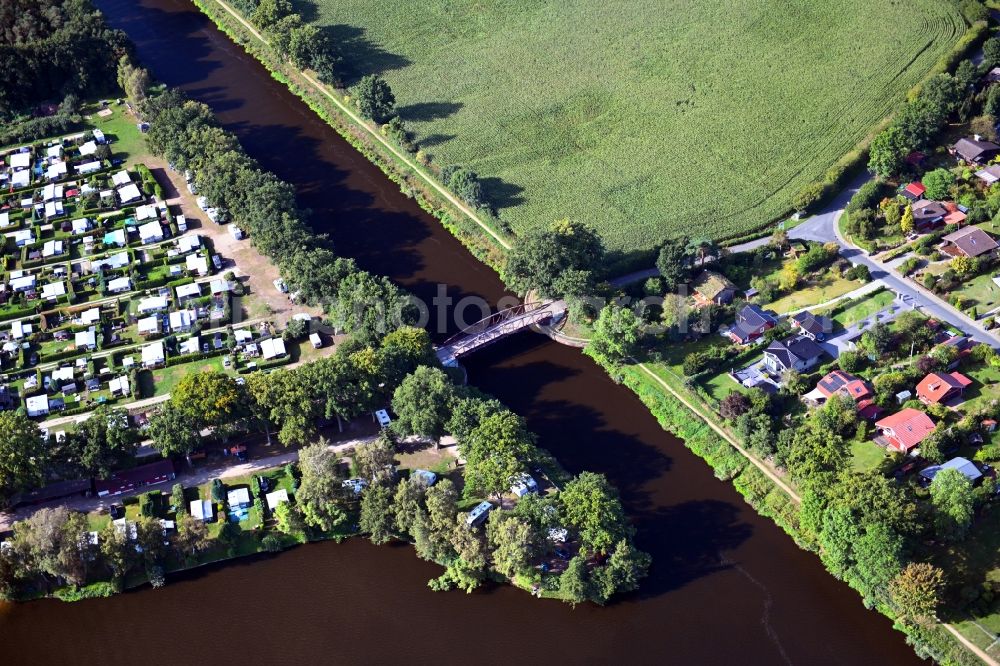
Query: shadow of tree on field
{"points": [[360, 56], [307, 9], [425, 111], [501, 194], [432, 140]]}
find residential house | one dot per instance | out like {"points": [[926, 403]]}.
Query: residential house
{"points": [[975, 150], [190, 346], [275, 498], [711, 287], [751, 322], [186, 244], [24, 237], [969, 242], [119, 386], [56, 170], [121, 178], [815, 327], [52, 248], [153, 355], [149, 325], [88, 167], [86, 339], [81, 225], [22, 282], [242, 336], [839, 382], [152, 304], [19, 160], [966, 467], [37, 405], [990, 174], [119, 285], [993, 75], [797, 353], [151, 232], [197, 264], [129, 193], [939, 387], [181, 321], [201, 510], [147, 212], [53, 290], [956, 213], [914, 191], [272, 348], [928, 214], [238, 498], [116, 237], [904, 430], [186, 292], [111, 262]]}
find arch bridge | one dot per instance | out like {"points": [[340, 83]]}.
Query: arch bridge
{"points": [[497, 326]]}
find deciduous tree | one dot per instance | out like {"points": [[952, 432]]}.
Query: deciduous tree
{"points": [[954, 503], [495, 452], [422, 404], [916, 592], [592, 507]]}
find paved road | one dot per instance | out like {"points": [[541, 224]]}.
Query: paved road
{"points": [[272, 458]]}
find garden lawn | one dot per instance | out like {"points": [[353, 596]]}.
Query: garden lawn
{"points": [[822, 289], [865, 308], [128, 143], [985, 387], [165, 379], [866, 455], [647, 119], [981, 292]]}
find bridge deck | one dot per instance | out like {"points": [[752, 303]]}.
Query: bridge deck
{"points": [[472, 339]]}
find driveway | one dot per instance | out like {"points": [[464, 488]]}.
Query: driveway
{"points": [[844, 340]]}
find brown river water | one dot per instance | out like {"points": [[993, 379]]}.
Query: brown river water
{"points": [[727, 586]]}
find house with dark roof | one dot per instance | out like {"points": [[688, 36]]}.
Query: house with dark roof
{"points": [[928, 214], [940, 387], [797, 353], [711, 287], [905, 429], [751, 322], [839, 382], [813, 326], [975, 150], [914, 191], [969, 242]]}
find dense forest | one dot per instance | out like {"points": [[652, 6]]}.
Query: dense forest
{"points": [[53, 48]]}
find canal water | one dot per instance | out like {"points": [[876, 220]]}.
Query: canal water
{"points": [[727, 586]]}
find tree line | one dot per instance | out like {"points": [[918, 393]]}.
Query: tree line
{"points": [[51, 49]]}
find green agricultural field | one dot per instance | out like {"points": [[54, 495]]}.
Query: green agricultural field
{"points": [[645, 118]]}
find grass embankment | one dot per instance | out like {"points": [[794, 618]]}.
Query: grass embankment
{"points": [[584, 106], [479, 235]]}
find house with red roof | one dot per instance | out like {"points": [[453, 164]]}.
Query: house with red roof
{"points": [[914, 191], [939, 387], [844, 383], [904, 430]]}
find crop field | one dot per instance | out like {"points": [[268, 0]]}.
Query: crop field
{"points": [[647, 118]]}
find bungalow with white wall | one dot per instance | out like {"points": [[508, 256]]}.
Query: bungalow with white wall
{"points": [[151, 232], [153, 304], [153, 355], [87, 339], [119, 285]]}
